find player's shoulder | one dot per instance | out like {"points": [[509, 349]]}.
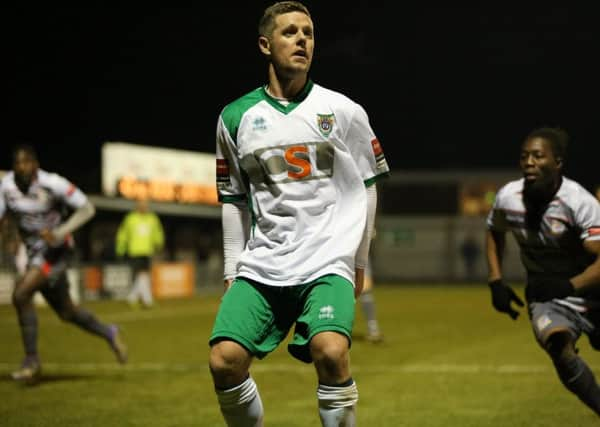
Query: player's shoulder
{"points": [[238, 107], [510, 189], [7, 180], [574, 194], [49, 179], [335, 97]]}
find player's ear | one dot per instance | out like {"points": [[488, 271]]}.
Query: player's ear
{"points": [[264, 45], [559, 162]]}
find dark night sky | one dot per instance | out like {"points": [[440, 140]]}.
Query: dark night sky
{"points": [[446, 87]]}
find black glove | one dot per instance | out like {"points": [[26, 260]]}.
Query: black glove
{"points": [[542, 290], [502, 295]]}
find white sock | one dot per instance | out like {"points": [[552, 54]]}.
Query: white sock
{"points": [[146, 288], [337, 405], [241, 405], [135, 290]]}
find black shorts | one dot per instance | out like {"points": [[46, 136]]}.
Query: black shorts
{"points": [[139, 263]]}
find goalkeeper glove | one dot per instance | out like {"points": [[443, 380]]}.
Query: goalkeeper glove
{"points": [[502, 296], [548, 289]]}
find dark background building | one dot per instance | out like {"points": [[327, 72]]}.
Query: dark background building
{"points": [[446, 87]]}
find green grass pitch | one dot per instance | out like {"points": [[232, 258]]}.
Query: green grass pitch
{"points": [[448, 360]]}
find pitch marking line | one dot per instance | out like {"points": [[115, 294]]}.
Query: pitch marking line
{"points": [[287, 368]]}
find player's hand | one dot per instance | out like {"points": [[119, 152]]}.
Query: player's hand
{"points": [[48, 236], [227, 284], [548, 289], [502, 296]]}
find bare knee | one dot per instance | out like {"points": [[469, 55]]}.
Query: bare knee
{"points": [[330, 353], [561, 347], [229, 363], [21, 296]]}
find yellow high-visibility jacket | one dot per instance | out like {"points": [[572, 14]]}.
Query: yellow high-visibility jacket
{"points": [[140, 234]]}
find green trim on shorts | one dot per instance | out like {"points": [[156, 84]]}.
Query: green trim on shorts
{"points": [[259, 317]]}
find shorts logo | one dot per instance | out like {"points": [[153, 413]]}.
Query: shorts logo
{"points": [[326, 312], [543, 322], [325, 122]]}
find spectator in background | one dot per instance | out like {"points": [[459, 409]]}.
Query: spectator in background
{"points": [[556, 223], [139, 237], [470, 252], [367, 303], [35, 198]]}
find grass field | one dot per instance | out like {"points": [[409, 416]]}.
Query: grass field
{"points": [[448, 360]]}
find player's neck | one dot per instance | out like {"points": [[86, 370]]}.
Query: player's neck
{"points": [[285, 89]]}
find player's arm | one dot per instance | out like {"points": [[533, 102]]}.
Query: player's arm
{"points": [[362, 254], [590, 277], [78, 218], [495, 242], [502, 294], [235, 221]]}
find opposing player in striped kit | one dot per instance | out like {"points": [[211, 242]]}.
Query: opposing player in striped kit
{"points": [[37, 199], [556, 223], [296, 167]]}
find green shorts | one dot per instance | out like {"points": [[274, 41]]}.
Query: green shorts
{"points": [[259, 317]]}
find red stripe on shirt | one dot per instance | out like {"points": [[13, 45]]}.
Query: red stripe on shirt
{"points": [[46, 268], [222, 167], [376, 147], [594, 231]]}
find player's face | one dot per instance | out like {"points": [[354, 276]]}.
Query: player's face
{"points": [[541, 169], [292, 44], [25, 167]]}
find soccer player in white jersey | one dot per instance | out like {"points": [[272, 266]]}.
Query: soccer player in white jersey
{"points": [[35, 199], [556, 223], [296, 164]]}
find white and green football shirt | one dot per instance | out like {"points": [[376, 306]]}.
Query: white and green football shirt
{"points": [[302, 168]]}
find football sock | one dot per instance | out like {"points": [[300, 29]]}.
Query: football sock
{"points": [[145, 288], [29, 327], [577, 377], [241, 405], [337, 404], [87, 321], [368, 306]]}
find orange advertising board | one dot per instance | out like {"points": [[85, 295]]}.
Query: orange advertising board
{"points": [[173, 279]]}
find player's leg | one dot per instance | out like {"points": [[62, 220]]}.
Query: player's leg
{"points": [[133, 296], [145, 286], [557, 329], [58, 297], [245, 327], [22, 298], [573, 372], [367, 302], [325, 327]]}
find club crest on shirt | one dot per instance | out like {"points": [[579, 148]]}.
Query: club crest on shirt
{"points": [[325, 122], [557, 227]]}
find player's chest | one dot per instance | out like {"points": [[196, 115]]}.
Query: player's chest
{"points": [[36, 200], [554, 227]]}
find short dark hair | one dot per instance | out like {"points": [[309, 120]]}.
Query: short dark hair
{"points": [[557, 138], [25, 148], [267, 21]]}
